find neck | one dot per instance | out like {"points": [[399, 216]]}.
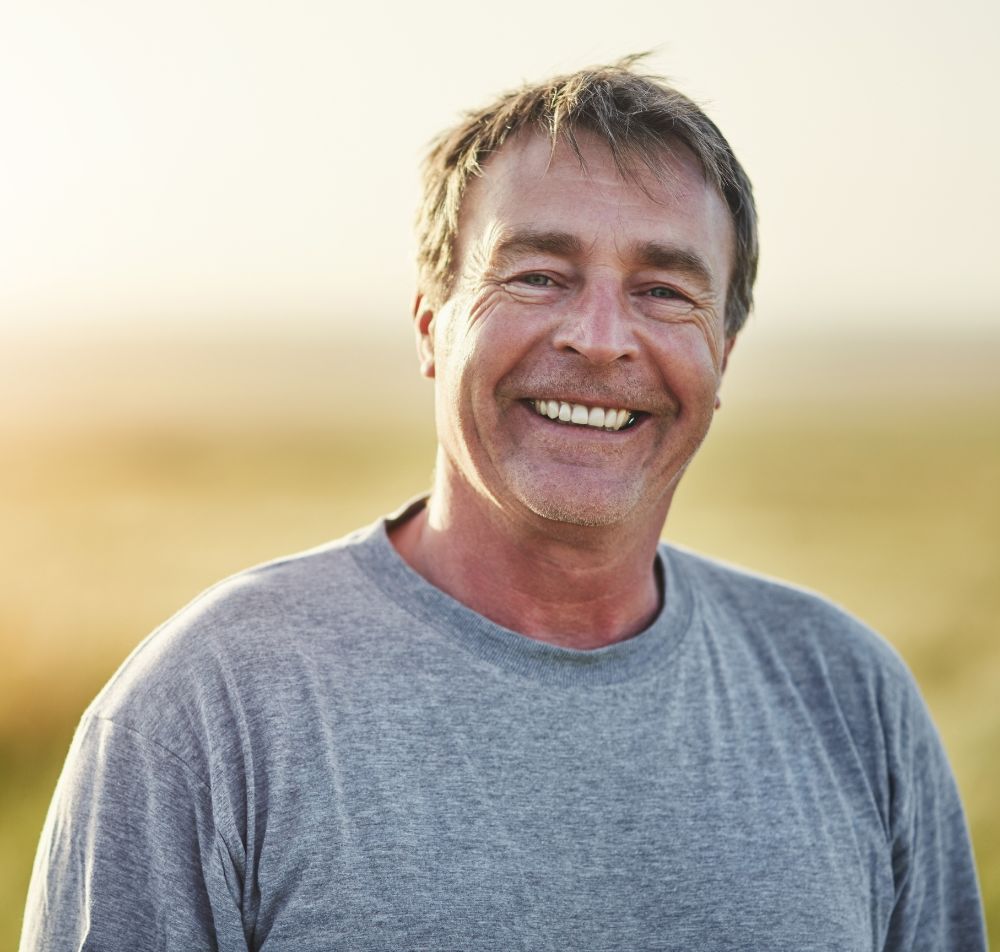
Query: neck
{"points": [[579, 587]]}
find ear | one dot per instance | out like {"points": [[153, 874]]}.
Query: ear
{"points": [[725, 361], [730, 341], [423, 328]]}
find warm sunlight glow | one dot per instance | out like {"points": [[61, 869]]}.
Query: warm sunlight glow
{"points": [[186, 160]]}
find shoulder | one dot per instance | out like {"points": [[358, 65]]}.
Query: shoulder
{"points": [[241, 641], [786, 616], [808, 649], [811, 657], [846, 689]]}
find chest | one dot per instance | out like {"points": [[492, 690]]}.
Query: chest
{"points": [[635, 823]]}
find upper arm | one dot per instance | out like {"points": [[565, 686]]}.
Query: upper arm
{"points": [[132, 855], [937, 902]]}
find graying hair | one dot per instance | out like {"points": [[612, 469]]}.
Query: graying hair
{"points": [[637, 116]]}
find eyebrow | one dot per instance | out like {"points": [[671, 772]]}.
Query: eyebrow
{"points": [[526, 241], [653, 254]]}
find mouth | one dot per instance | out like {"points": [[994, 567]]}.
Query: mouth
{"points": [[579, 414]]}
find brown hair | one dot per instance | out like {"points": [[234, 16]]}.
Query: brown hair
{"points": [[637, 116]]}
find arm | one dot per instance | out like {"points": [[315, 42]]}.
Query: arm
{"points": [[938, 907], [132, 855]]}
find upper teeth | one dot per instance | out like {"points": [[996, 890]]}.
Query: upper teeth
{"points": [[604, 418]]}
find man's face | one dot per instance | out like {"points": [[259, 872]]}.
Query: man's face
{"points": [[578, 292]]}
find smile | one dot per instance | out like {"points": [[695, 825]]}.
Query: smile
{"points": [[602, 418]]}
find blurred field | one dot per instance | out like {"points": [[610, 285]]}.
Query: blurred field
{"points": [[135, 473]]}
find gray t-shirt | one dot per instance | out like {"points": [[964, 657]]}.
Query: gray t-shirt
{"points": [[328, 753]]}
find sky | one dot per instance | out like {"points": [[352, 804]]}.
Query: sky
{"points": [[216, 161]]}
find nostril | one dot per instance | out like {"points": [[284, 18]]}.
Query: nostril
{"points": [[597, 351], [599, 339]]}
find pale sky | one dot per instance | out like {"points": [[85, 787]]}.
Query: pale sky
{"points": [[226, 161]]}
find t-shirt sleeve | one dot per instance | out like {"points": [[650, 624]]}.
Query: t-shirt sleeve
{"points": [[938, 907], [131, 856]]}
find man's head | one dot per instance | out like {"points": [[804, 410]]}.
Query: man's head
{"points": [[587, 246], [639, 118]]}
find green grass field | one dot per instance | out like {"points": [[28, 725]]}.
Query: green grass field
{"points": [[119, 503]]}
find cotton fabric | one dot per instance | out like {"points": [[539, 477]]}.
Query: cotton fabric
{"points": [[327, 753]]}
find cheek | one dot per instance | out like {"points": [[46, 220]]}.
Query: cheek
{"points": [[460, 327], [687, 356], [467, 378], [705, 332]]}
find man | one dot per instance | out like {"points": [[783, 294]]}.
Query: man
{"points": [[506, 717]]}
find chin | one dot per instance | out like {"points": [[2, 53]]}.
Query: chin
{"points": [[580, 508], [576, 515]]}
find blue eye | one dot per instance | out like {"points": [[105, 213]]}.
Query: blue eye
{"points": [[662, 292], [537, 280]]}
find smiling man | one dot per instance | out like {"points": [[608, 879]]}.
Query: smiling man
{"points": [[577, 361], [508, 717]]}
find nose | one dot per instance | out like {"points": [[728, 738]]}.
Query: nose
{"points": [[597, 326]]}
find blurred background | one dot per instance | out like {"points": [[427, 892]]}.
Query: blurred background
{"points": [[206, 360]]}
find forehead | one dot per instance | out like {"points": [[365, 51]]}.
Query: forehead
{"points": [[528, 184]]}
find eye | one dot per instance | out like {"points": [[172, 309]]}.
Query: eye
{"points": [[666, 300], [666, 293], [536, 280]]}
